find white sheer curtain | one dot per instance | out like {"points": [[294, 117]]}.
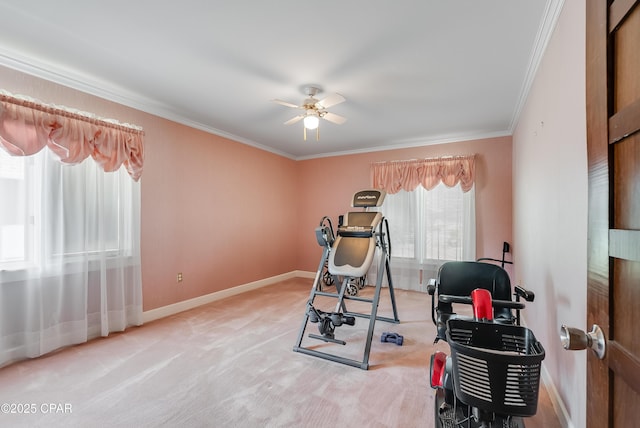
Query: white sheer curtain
{"points": [[69, 253], [428, 228]]}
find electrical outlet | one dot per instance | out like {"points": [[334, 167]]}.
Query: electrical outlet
{"points": [[179, 277]]}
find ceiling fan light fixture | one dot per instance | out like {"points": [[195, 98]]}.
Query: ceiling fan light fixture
{"points": [[311, 121], [314, 110]]}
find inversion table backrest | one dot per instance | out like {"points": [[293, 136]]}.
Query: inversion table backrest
{"points": [[352, 252]]}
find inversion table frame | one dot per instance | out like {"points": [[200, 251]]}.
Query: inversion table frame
{"points": [[325, 238]]}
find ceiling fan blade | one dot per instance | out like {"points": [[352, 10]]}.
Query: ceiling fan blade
{"points": [[330, 100], [332, 117], [294, 119], [284, 103]]}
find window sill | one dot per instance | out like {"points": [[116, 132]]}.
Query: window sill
{"points": [[70, 265]]}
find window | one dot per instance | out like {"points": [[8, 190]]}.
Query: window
{"points": [[70, 265], [428, 225], [428, 228], [16, 212], [54, 210]]}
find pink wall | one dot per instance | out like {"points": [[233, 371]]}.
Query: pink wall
{"points": [[326, 186], [226, 214], [551, 204], [216, 210]]}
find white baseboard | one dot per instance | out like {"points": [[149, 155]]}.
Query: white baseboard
{"points": [[556, 400], [185, 305], [305, 274]]}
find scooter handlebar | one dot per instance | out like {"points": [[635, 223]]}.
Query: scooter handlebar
{"points": [[447, 298], [527, 295]]}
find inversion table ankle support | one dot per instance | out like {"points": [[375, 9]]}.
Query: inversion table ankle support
{"points": [[350, 256]]}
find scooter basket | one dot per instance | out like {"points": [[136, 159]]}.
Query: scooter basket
{"points": [[496, 367]]}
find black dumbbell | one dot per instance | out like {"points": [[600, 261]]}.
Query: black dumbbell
{"points": [[392, 337]]}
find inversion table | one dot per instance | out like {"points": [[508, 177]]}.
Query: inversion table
{"points": [[350, 256]]}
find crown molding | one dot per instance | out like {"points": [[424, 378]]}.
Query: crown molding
{"points": [[547, 26]]}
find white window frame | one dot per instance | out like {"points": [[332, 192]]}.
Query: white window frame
{"points": [[412, 263], [36, 172]]}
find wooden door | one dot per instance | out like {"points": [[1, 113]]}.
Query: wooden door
{"points": [[613, 140]]}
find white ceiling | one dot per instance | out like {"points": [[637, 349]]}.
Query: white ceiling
{"points": [[413, 72]]}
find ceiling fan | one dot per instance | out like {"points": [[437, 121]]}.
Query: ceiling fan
{"points": [[314, 110]]}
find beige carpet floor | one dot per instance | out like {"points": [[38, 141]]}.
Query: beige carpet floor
{"points": [[231, 364]]}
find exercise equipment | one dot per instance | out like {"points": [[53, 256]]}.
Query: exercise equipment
{"points": [[328, 321], [354, 284], [346, 260], [392, 337]]}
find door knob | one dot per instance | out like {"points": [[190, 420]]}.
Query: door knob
{"points": [[575, 339]]}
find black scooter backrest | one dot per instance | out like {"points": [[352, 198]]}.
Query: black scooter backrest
{"points": [[461, 278]]}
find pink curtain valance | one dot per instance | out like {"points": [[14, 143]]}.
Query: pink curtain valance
{"points": [[393, 176], [27, 126]]}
